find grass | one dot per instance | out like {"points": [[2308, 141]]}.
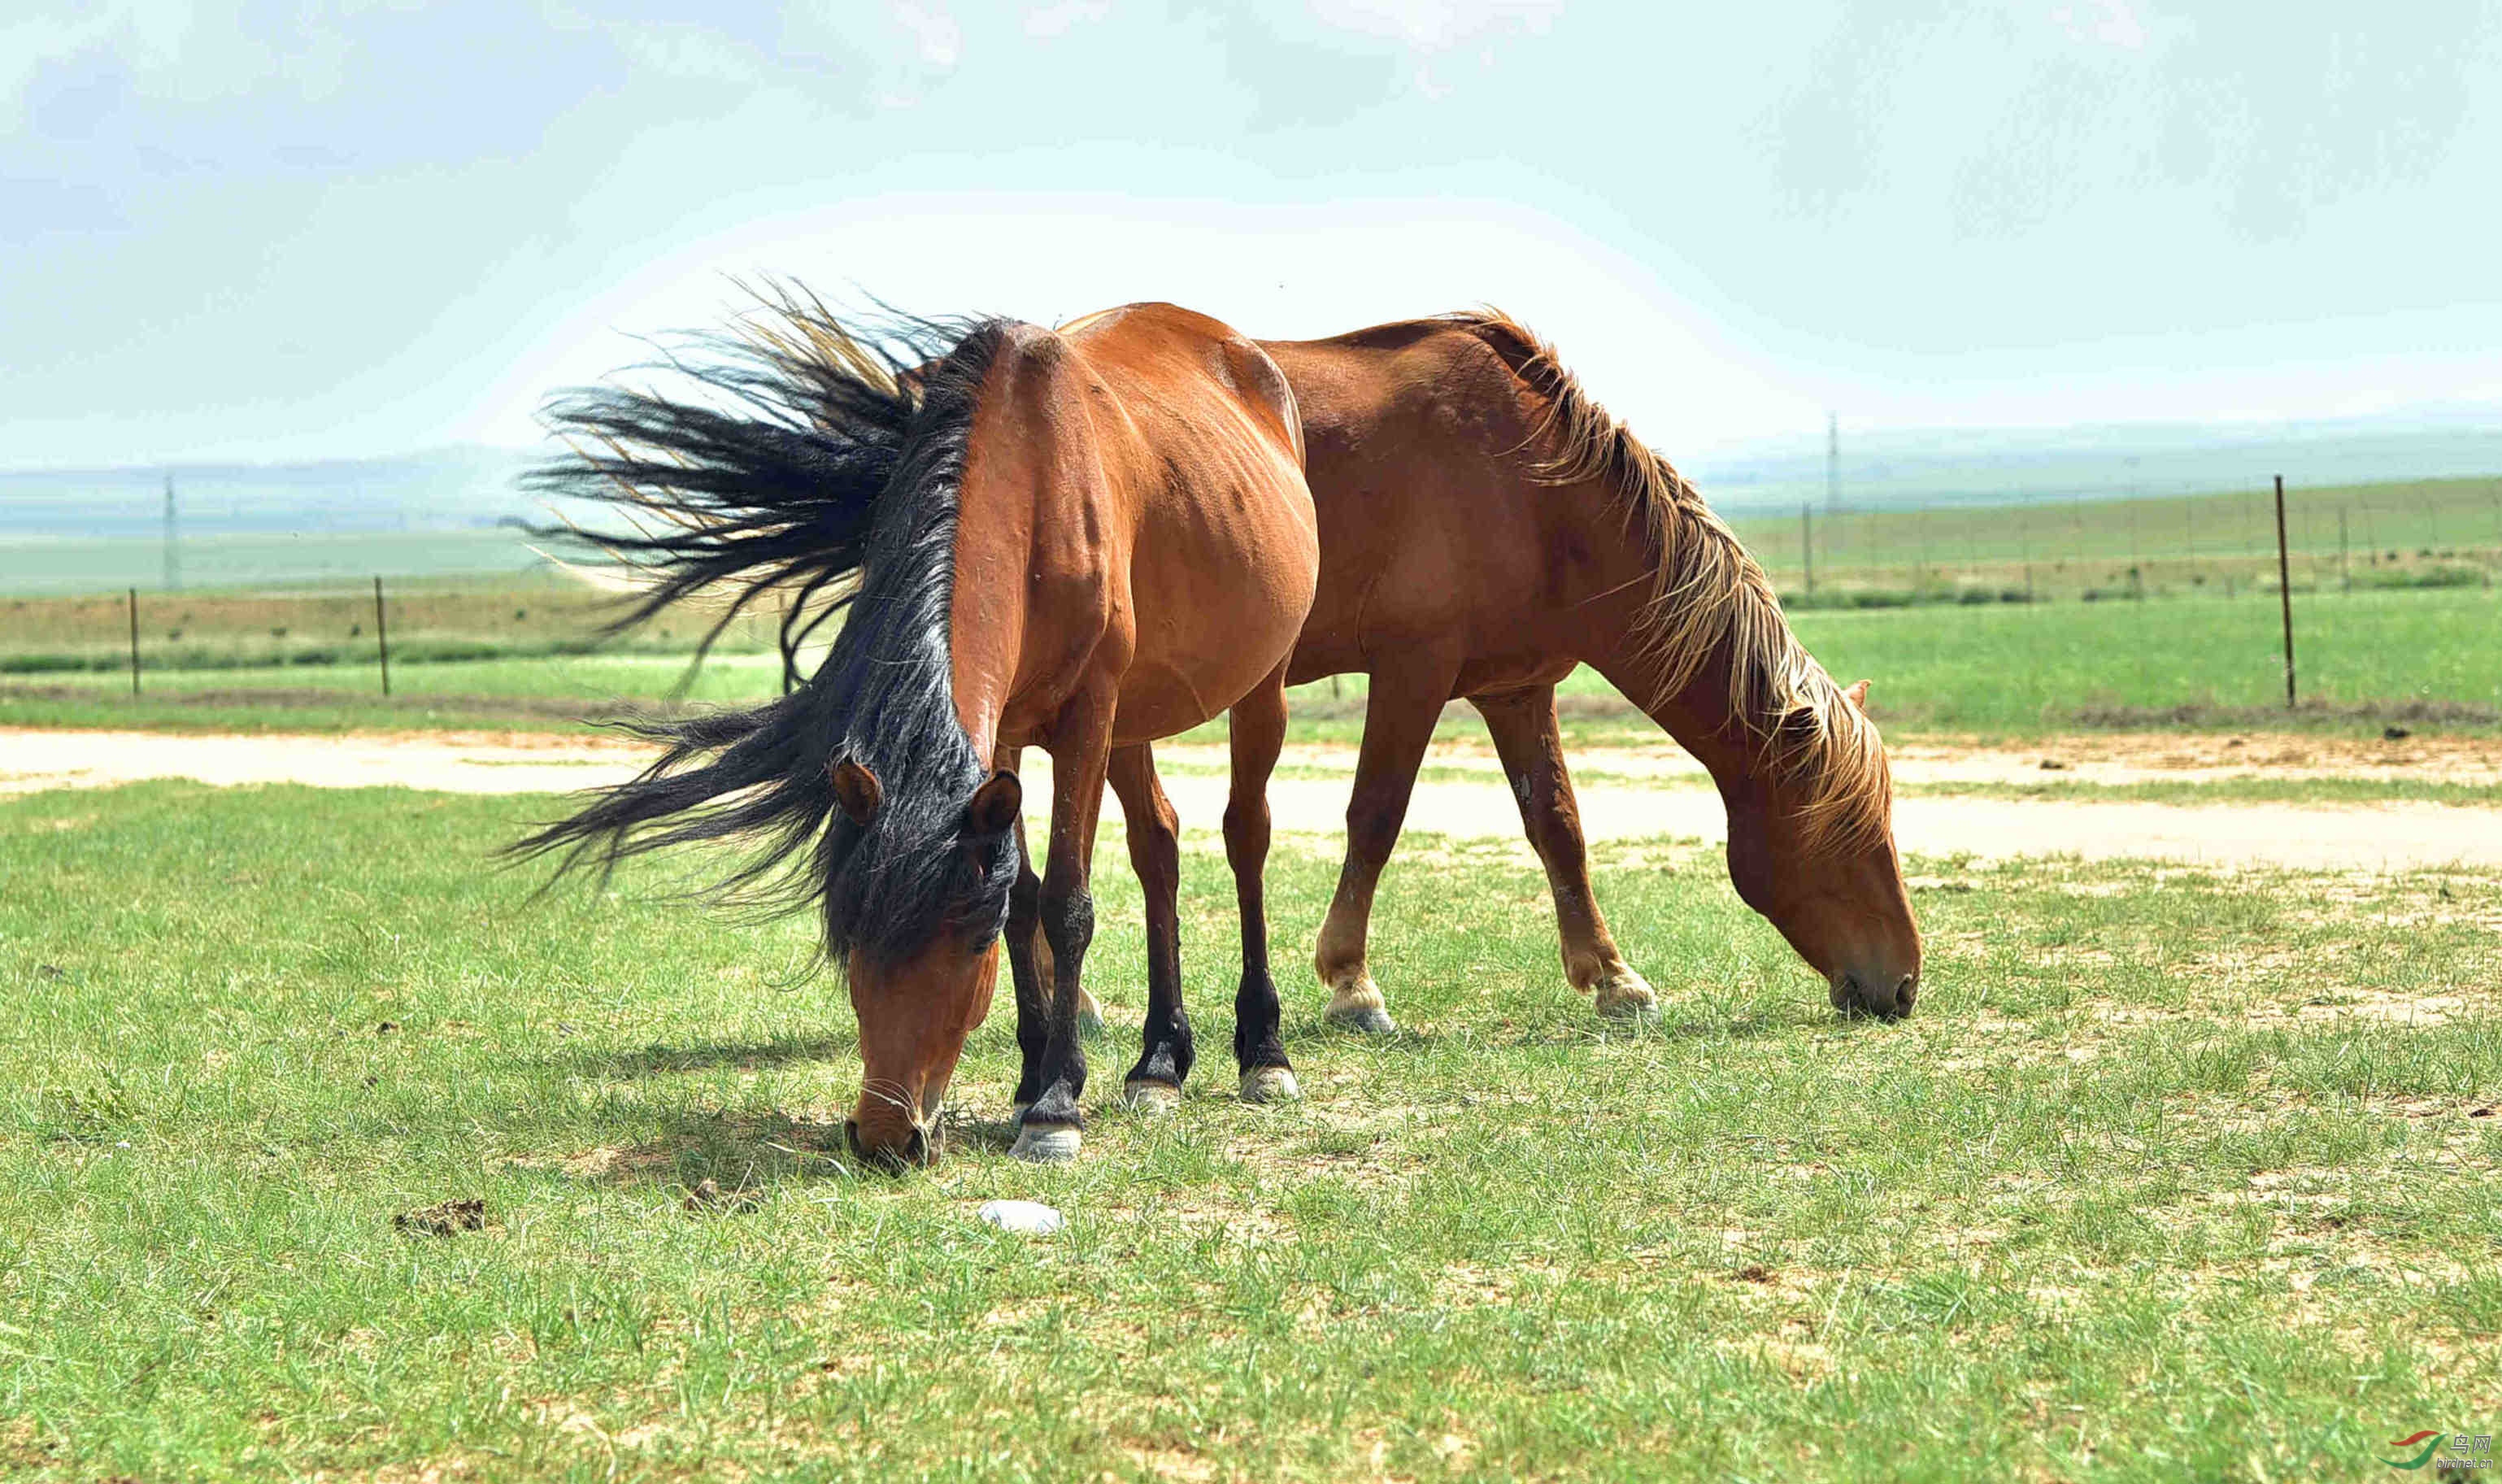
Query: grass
{"points": [[2174, 1174], [2222, 792], [2044, 667], [73, 564], [2424, 658], [2424, 532], [298, 633]]}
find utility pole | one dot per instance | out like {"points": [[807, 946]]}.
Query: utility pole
{"points": [[1831, 463], [173, 562], [2284, 591]]}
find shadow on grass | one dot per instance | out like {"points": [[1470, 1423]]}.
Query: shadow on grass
{"points": [[742, 1155], [1670, 1026], [744, 1055]]}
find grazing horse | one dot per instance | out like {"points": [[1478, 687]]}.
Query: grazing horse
{"points": [[1485, 528], [1081, 540]]}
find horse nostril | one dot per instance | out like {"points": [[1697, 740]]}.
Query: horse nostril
{"points": [[1904, 992]]}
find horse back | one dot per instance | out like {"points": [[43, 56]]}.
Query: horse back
{"points": [[1420, 446]]}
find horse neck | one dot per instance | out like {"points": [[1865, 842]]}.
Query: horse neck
{"points": [[986, 628], [1697, 714], [1615, 638]]}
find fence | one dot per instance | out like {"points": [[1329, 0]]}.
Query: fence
{"points": [[2444, 533], [535, 637], [343, 638]]}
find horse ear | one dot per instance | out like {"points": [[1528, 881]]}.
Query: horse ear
{"points": [[1857, 695], [859, 791], [995, 804]]}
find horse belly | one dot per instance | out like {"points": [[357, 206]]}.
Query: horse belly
{"points": [[1219, 589]]}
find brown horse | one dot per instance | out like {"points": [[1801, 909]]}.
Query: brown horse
{"points": [[1080, 540], [1486, 527]]}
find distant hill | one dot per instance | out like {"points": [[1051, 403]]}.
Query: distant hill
{"points": [[473, 487], [452, 488]]}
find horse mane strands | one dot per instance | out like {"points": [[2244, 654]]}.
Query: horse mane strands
{"points": [[813, 463], [1708, 598]]}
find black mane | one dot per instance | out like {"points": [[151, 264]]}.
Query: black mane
{"points": [[837, 459]]}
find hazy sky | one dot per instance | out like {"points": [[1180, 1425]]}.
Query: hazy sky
{"points": [[296, 230]]}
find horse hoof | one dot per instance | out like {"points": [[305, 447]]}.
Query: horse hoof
{"points": [[1363, 1020], [1047, 1144], [1356, 1004], [1270, 1084], [1627, 996], [1153, 1099]]}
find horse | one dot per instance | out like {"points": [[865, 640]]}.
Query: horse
{"points": [[1080, 539], [1486, 527]]}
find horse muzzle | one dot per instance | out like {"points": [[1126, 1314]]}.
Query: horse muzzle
{"points": [[891, 1150], [1887, 997]]}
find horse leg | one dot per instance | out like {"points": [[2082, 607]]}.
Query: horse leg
{"points": [[1532, 749], [1400, 709], [1029, 969], [1154, 1084], [1259, 731], [1030, 956], [1049, 1127]]}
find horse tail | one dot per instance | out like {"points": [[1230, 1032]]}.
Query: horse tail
{"points": [[828, 460]]}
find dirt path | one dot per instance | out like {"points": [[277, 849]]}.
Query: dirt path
{"points": [[1625, 796]]}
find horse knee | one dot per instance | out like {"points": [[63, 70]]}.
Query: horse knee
{"points": [[1370, 833], [1067, 922]]}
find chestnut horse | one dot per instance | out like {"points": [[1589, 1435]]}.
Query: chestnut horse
{"points": [[1080, 540], [1486, 527]]}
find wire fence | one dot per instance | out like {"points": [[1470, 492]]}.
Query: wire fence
{"points": [[340, 636], [541, 633], [2441, 534]]}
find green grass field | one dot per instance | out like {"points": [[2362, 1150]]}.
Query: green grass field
{"points": [[2049, 666], [72, 565], [2173, 1175], [2419, 533], [2424, 658]]}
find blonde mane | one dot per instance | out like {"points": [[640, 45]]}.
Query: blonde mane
{"points": [[1708, 600]]}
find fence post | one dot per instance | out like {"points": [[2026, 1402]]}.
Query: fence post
{"points": [[2284, 591], [381, 634], [2024, 549], [134, 641], [1806, 543], [2136, 566]]}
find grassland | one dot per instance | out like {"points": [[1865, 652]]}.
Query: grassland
{"points": [[2173, 1175], [2413, 641], [73, 566], [2426, 658], [2427, 533]]}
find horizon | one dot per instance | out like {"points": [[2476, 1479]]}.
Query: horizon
{"points": [[2394, 423]]}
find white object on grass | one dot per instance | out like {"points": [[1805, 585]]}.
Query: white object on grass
{"points": [[1031, 1217]]}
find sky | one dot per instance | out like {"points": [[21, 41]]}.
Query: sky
{"points": [[264, 231]]}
